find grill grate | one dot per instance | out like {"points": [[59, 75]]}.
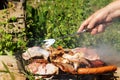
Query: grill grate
{"points": [[105, 76]]}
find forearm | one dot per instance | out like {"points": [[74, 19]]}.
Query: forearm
{"points": [[115, 5], [114, 9]]}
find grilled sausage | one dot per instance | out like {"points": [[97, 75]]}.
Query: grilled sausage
{"points": [[97, 70]]}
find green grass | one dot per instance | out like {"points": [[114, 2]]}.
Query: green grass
{"points": [[7, 71]]}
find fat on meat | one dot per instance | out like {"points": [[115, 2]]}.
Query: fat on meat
{"points": [[35, 51]]}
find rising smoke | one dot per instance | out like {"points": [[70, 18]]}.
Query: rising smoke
{"points": [[108, 54]]}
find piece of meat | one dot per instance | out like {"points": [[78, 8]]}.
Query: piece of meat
{"points": [[38, 61], [60, 59], [78, 57], [66, 67], [35, 51], [90, 54], [75, 57], [77, 60], [48, 69], [42, 68], [33, 67], [97, 63]]}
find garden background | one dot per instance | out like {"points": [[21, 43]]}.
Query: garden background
{"points": [[56, 18]]}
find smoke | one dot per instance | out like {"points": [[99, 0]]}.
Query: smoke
{"points": [[108, 54]]}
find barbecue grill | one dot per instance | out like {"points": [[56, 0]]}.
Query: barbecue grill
{"points": [[109, 75], [103, 76]]}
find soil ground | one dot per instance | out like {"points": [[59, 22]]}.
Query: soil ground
{"points": [[12, 65]]}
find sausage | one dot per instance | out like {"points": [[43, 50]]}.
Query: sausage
{"points": [[97, 70]]}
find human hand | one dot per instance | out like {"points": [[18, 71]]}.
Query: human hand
{"points": [[97, 21]]}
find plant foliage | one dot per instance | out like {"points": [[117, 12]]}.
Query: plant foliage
{"points": [[58, 18], [55, 19]]}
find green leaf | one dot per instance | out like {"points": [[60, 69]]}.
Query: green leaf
{"points": [[7, 70]]}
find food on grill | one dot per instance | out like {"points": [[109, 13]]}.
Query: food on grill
{"points": [[37, 62], [90, 54], [97, 70], [66, 67], [35, 52], [42, 67], [74, 61]]}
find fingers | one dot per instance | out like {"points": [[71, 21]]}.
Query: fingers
{"points": [[99, 17], [98, 29], [93, 24], [84, 24], [90, 22]]}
